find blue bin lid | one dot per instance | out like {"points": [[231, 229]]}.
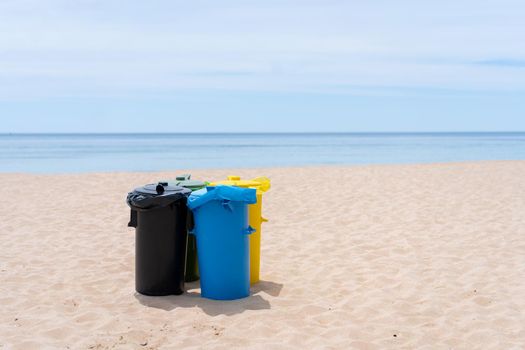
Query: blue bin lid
{"points": [[229, 193]]}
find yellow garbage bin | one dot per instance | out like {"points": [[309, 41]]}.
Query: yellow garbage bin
{"points": [[261, 184]]}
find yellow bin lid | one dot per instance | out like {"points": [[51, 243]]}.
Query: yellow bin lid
{"points": [[260, 183]]}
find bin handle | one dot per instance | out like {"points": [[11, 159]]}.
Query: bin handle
{"points": [[133, 219], [249, 230], [227, 205], [264, 219]]}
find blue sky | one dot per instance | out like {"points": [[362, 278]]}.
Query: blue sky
{"points": [[287, 65]]}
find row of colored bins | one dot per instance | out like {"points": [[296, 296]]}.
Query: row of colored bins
{"points": [[224, 232]]}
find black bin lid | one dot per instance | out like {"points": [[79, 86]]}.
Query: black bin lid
{"points": [[158, 195]]}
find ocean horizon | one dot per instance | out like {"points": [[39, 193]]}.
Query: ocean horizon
{"points": [[140, 152]]}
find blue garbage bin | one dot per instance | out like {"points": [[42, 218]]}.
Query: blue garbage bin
{"points": [[221, 230]]}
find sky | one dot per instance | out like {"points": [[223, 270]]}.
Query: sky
{"points": [[261, 66]]}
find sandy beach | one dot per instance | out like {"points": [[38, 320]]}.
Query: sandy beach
{"points": [[365, 257]]}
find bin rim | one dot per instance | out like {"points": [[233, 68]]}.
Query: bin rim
{"points": [[261, 183]]}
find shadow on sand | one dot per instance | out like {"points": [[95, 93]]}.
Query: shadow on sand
{"points": [[214, 307]]}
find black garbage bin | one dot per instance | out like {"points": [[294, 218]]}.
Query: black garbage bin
{"points": [[159, 214]]}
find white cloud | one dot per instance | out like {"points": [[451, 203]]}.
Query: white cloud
{"points": [[54, 48]]}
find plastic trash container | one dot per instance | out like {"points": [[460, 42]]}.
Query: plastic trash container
{"points": [[192, 266], [222, 232], [261, 184], [159, 214]]}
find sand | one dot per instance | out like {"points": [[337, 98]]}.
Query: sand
{"points": [[364, 257]]}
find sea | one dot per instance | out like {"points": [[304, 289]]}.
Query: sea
{"points": [[75, 153]]}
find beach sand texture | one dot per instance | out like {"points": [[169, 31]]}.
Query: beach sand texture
{"points": [[365, 257]]}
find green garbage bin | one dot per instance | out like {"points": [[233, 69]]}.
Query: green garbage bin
{"points": [[192, 267]]}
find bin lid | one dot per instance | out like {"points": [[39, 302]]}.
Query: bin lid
{"points": [[186, 181], [260, 183], [229, 193], [157, 195]]}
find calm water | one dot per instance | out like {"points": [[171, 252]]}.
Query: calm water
{"points": [[154, 152]]}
